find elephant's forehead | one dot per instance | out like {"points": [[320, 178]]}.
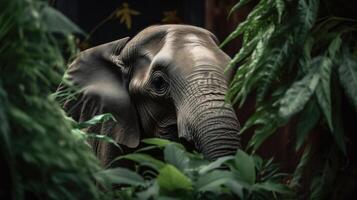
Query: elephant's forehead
{"points": [[197, 47], [192, 38], [167, 37], [190, 47]]}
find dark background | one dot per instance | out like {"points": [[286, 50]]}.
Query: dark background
{"points": [[93, 16]]}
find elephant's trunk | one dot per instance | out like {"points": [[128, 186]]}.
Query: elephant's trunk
{"points": [[216, 131], [205, 118]]}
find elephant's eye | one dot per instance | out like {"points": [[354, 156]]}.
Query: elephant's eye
{"points": [[159, 83]]}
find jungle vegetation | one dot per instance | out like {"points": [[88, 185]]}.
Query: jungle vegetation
{"points": [[298, 60]]}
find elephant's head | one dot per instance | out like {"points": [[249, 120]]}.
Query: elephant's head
{"points": [[166, 82]]}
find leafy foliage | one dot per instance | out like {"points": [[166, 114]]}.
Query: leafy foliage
{"points": [[293, 54], [41, 159], [186, 175]]}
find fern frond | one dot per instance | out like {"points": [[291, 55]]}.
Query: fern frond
{"points": [[260, 12], [238, 5]]}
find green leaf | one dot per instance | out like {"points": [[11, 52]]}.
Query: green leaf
{"points": [[258, 162], [215, 164], [300, 92], [151, 192], [235, 187], [334, 47], [213, 180], [261, 134], [277, 58], [46, 159], [347, 72], [176, 156], [56, 22], [148, 148], [24, 120], [252, 24], [79, 134], [95, 120], [238, 5], [121, 176], [246, 50], [308, 10], [267, 121], [308, 119], [245, 167], [103, 138], [305, 58], [160, 142], [156, 141], [143, 159], [171, 179], [323, 90]]}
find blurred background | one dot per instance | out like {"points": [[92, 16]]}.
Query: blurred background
{"points": [[108, 20]]}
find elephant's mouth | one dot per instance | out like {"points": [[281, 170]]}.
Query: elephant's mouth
{"points": [[168, 132]]}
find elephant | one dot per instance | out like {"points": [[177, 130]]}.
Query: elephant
{"points": [[168, 81]]}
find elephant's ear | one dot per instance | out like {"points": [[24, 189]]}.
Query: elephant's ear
{"points": [[104, 89]]}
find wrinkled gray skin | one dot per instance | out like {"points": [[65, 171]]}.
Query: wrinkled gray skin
{"points": [[166, 82]]}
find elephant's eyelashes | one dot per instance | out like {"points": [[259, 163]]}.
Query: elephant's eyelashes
{"points": [[159, 84]]}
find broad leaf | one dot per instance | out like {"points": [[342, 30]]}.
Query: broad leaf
{"points": [[334, 47], [323, 90], [150, 193], [143, 159], [148, 148], [348, 77], [308, 119], [235, 187], [156, 141], [212, 181], [160, 142], [176, 156], [120, 176], [215, 164], [56, 22], [300, 92], [245, 167], [170, 179]]}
